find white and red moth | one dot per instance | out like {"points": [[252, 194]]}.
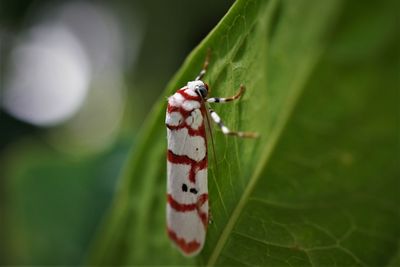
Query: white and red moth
{"points": [[187, 192]]}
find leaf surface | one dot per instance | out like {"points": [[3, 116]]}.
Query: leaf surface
{"points": [[320, 186]]}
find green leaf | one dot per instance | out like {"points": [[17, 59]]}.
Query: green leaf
{"points": [[53, 201], [320, 186]]}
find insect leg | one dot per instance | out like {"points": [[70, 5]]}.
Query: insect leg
{"points": [[227, 99], [225, 130], [205, 66]]}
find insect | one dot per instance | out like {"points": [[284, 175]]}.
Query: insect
{"points": [[187, 192]]}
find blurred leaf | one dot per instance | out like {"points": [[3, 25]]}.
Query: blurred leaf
{"points": [[54, 202], [320, 186]]}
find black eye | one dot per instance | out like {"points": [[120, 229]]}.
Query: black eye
{"points": [[184, 188], [193, 190], [202, 91]]}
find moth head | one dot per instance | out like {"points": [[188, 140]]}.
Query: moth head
{"points": [[200, 87]]}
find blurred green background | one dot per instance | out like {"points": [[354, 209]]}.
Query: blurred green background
{"points": [[77, 80]]}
